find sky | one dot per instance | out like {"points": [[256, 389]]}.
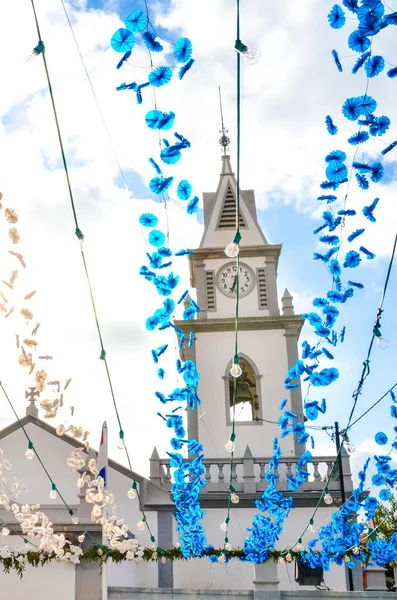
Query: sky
{"points": [[285, 98]]}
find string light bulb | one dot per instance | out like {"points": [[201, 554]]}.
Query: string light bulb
{"points": [[382, 343], [350, 447], [327, 497], [81, 538], [299, 545], [228, 546], [234, 498], [131, 493], [356, 550], [288, 557], [230, 446], [120, 444], [251, 57], [39, 49], [232, 250], [281, 560], [236, 370], [53, 493], [225, 524], [141, 525], [5, 531], [29, 452], [311, 526], [75, 520]]}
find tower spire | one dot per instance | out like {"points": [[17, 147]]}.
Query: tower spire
{"points": [[224, 139]]}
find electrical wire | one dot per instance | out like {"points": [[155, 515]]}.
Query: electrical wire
{"points": [[80, 236]]}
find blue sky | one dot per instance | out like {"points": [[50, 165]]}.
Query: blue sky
{"points": [[285, 99]]}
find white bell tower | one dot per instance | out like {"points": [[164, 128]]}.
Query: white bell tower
{"points": [[267, 340]]}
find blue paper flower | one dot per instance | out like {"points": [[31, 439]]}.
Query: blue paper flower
{"points": [[379, 125], [374, 65], [155, 119], [329, 185], [337, 61], [355, 234], [183, 50], [151, 323], [356, 284], [358, 138], [184, 190], [377, 172], [370, 9], [352, 108], [336, 155], [381, 438], [362, 181], [158, 185], [136, 21], [360, 61], [336, 17], [362, 167], [123, 40], [148, 220], [388, 148], [170, 155], [390, 19], [368, 104], [324, 377], [331, 128], [185, 68], [329, 239], [392, 72], [368, 210], [192, 207], [358, 42], [368, 254], [156, 238], [328, 197], [351, 5], [385, 494], [149, 39], [123, 60], [336, 171], [160, 76], [352, 259], [155, 166]]}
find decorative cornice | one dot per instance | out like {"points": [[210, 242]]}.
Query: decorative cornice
{"points": [[291, 324]]}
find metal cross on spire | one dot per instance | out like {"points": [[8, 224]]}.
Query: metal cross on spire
{"points": [[32, 395], [224, 140]]}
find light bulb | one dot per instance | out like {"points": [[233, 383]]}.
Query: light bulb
{"points": [[281, 560], [350, 447], [75, 520], [29, 454], [232, 250], [347, 558], [228, 547], [311, 528], [299, 546], [234, 498], [224, 526], [131, 494], [120, 444], [222, 559], [163, 559], [288, 557], [236, 370], [356, 550], [81, 538], [141, 525], [53, 493], [230, 446], [251, 57], [328, 498], [5, 531], [382, 343]]}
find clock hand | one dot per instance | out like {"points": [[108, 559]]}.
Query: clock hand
{"points": [[234, 284]]}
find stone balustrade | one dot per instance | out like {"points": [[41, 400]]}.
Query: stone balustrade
{"points": [[248, 473]]}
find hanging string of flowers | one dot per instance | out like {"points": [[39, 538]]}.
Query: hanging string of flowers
{"points": [[188, 479], [339, 535]]}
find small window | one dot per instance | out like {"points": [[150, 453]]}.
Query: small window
{"points": [[227, 218], [244, 390], [210, 290]]}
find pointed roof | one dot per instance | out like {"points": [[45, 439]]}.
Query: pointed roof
{"points": [[220, 213]]}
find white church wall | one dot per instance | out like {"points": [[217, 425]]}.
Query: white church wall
{"points": [[129, 573], [200, 573], [213, 352], [248, 305], [54, 579], [54, 452]]}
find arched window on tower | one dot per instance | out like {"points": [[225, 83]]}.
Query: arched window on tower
{"points": [[246, 390]]}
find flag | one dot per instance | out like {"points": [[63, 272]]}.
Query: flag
{"points": [[103, 454]]}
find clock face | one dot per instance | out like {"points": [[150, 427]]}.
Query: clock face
{"points": [[226, 280]]}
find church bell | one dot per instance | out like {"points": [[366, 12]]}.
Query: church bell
{"points": [[243, 393]]}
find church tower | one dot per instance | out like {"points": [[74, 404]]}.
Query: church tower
{"points": [[267, 340]]}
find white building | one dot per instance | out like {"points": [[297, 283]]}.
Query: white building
{"points": [[268, 345]]}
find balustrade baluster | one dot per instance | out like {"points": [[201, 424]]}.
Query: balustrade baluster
{"points": [[316, 472], [221, 475], [208, 472]]}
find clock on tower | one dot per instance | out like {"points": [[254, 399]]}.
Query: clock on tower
{"points": [[267, 340]]}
